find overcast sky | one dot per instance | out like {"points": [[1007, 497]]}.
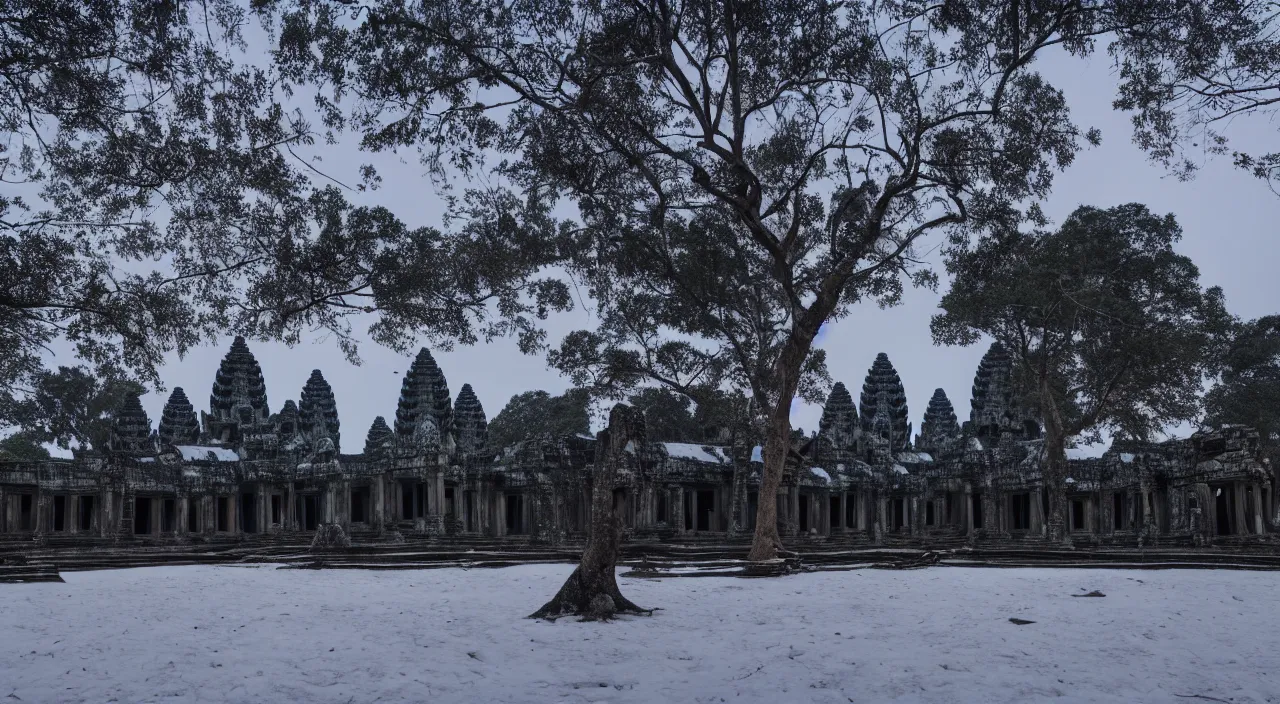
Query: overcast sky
{"points": [[1229, 221]]}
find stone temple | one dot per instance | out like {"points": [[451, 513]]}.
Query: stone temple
{"points": [[240, 469]]}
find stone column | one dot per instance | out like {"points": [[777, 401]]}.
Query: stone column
{"points": [[379, 501]]}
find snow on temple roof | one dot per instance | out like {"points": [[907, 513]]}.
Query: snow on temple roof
{"points": [[820, 472], [911, 457], [900, 469], [975, 444], [1126, 457], [701, 453], [200, 453]]}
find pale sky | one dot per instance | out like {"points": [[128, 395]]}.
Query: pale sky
{"points": [[1228, 217]]}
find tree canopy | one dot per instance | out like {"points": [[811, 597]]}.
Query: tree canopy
{"points": [[71, 407], [1248, 388], [535, 413], [158, 190], [1108, 325]]}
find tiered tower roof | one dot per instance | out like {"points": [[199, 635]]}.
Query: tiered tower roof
{"points": [[424, 393], [178, 424], [995, 408], [378, 437], [838, 428], [883, 405], [469, 421], [131, 428], [239, 392], [940, 426], [318, 411]]}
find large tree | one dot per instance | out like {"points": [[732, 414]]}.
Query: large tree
{"points": [[157, 190], [1108, 325], [1248, 387], [819, 140], [1187, 77]]}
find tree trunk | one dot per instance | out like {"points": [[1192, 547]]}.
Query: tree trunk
{"points": [[766, 542], [1055, 466], [592, 590]]}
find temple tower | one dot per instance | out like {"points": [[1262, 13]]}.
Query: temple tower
{"points": [[318, 411], [131, 429], [286, 426], [838, 429], [883, 407], [379, 437], [470, 424], [995, 408], [178, 424], [238, 404], [940, 428], [424, 400]]}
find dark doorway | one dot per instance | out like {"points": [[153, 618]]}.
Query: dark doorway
{"points": [[359, 504], [59, 513], [406, 501], [804, 513], [277, 508], [850, 517], [142, 516], [1077, 514], [86, 513], [25, 518], [469, 499], [1117, 511], [660, 508], [248, 514], [836, 513], [688, 510], [706, 506], [223, 519], [449, 509], [1020, 511], [899, 514], [515, 514], [753, 507], [309, 510], [1248, 510], [976, 504], [169, 516], [193, 515], [1222, 504], [928, 513]]}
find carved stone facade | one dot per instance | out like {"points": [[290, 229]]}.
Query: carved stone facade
{"points": [[244, 470]]}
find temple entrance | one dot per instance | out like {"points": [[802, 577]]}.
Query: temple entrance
{"points": [[406, 501], [142, 515], [193, 515], [976, 506], [1222, 510], [248, 513], [169, 516], [835, 513], [59, 513], [1020, 512], [308, 511], [360, 504], [1248, 510], [753, 507], [1077, 514], [1117, 511], [86, 513], [706, 507], [277, 510], [804, 514], [515, 514], [899, 514]]}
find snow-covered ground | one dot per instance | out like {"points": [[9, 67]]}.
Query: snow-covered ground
{"points": [[236, 634]]}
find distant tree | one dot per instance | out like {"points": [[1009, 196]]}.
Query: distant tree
{"points": [[668, 416], [72, 405], [1185, 77], [1107, 324], [1248, 387], [533, 413], [21, 447]]}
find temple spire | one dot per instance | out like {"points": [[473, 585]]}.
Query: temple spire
{"points": [[317, 410], [883, 406], [178, 424], [424, 397], [469, 421]]}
